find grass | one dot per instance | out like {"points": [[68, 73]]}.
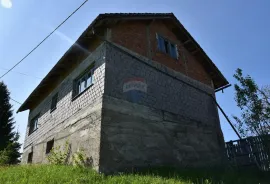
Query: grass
{"points": [[52, 174]]}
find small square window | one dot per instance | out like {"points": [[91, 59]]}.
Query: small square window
{"points": [[83, 82], [54, 102], [49, 146], [30, 158], [33, 125]]}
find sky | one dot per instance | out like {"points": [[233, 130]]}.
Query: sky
{"points": [[234, 34]]}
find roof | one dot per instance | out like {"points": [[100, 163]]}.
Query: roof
{"points": [[64, 64]]}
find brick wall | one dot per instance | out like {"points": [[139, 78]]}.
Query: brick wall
{"points": [[134, 36]]}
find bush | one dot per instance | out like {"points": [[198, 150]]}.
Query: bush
{"points": [[4, 157], [79, 158], [58, 156]]}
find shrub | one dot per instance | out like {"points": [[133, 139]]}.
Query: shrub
{"points": [[79, 158], [4, 157], [58, 156]]}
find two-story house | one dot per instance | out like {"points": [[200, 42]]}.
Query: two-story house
{"points": [[135, 90]]}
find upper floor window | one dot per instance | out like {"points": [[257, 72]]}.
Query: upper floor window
{"points": [[33, 125], [54, 102], [167, 47], [83, 82]]}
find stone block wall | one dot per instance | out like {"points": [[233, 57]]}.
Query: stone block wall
{"points": [[77, 120]]}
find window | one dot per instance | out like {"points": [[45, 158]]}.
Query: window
{"points": [[83, 82], [30, 158], [33, 125], [167, 47], [54, 102], [49, 146]]}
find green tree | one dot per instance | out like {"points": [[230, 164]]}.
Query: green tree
{"points": [[9, 145], [254, 103]]}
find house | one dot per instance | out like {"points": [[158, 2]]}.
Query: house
{"points": [[135, 90]]}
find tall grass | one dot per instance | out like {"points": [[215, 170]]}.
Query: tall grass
{"points": [[52, 174]]}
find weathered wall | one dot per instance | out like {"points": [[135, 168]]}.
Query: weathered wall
{"points": [[75, 119], [174, 123], [140, 37]]}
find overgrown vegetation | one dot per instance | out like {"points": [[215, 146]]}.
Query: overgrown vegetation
{"points": [[59, 156], [9, 145], [79, 158], [254, 102], [54, 174]]}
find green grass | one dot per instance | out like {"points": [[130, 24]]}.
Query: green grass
{"points": [[51, 174]]}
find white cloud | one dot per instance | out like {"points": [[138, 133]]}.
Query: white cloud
{"points": [[6, 3]]}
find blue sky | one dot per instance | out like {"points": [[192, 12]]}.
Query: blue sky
{"points": [[233, 33]]}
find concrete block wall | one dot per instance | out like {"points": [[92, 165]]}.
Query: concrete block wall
{"points": [[75, 119], [174, 123]]}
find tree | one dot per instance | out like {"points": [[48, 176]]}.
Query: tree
{"points": [[9, 145], [254, 103]]}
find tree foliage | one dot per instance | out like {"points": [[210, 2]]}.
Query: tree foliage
{"points": [[9, 145], [254, 103]]}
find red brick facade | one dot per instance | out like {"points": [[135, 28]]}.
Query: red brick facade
{"points": [[140, 37]]}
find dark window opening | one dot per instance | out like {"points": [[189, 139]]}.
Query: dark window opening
{"points": [[33, 125], [30, 158], [83, 82], [173, 51], [54, 102], [49, 146], [167, 47]]}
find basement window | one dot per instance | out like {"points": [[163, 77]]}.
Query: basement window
{"points": [[33, 125], [49, 146], [83, 82], [54, 102], [30, 158], [166, 46]]}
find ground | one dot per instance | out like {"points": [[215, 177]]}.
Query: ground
{"points": [[51, 174]]}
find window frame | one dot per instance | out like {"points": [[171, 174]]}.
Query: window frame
{"points": [[167, 48], [76, 92], [32, 130], [54, 102]]}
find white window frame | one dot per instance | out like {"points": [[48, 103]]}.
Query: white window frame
{"points": [[81, 84]]}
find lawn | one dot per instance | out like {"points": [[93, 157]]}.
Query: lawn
{"points": [[52, 174]]}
